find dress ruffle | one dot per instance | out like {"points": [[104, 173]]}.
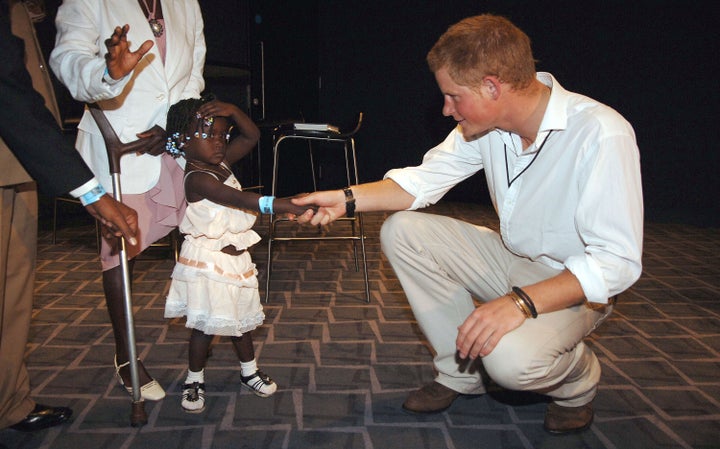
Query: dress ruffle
{"points": [[217, 292], [168, 194]]}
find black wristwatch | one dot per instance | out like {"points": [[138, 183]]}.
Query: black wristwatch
{"points": [[349, 203]]}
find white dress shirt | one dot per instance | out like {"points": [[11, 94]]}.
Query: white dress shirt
{"points": [[578, 203]]}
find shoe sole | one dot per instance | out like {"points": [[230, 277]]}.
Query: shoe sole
{"points": [[424, 412], [569, 431], [257, 393], [200, 410]]}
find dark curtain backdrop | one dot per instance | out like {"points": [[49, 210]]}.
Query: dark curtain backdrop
{"points": [[655, 62]]}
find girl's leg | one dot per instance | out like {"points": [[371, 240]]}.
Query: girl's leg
{"points": [[250, 376], [193, 398], [197, 354], [244, 347]]}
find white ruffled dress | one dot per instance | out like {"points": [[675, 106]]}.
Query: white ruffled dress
{"points": [[217, 292]]}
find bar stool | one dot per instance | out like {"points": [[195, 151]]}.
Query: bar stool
{"points": [[333, 136]]}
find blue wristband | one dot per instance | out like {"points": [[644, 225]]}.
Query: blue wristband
{"points": [[266, 204], [93, 195]]}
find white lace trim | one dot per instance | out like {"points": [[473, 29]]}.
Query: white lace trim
{"points": [[214, 325]]}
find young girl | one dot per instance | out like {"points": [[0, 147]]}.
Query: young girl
{"points": [[214, 282]]}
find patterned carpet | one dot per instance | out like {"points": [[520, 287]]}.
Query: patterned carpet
{"points": [[344, 366]]}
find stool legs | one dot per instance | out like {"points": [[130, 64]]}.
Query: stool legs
{"points": [[357, 228]]}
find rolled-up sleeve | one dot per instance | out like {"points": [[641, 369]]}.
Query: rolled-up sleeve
{"points": [[442, 168], [609, 219]]}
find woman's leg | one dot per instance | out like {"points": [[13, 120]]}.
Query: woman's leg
{"points": [[159, 210], [115, 302]]}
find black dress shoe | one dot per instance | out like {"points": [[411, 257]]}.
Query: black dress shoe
{"points": [[42, 417]]}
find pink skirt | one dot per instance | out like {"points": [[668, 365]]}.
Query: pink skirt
{"points": [[160, 210]]}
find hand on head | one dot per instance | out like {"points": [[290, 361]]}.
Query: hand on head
{"points": [[119, 59], [217, 108]]}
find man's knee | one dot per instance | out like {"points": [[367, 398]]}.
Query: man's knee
{"points": [[395, 230], [515, 368], [511, 374]]}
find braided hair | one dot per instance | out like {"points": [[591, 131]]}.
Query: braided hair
{"points": [[179, 118]]}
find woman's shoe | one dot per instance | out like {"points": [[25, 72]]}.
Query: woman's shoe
{"points": [[151, 391]]}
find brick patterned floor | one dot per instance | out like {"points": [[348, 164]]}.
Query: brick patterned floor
{"points": [[344, 366]]}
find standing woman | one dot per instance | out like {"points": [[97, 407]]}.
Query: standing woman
{"points": [[133, 58]]}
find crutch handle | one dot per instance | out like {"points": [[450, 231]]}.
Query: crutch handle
{"points": [[115, 148]]}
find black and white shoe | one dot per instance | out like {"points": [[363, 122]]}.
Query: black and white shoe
{"points": [[259, 383], [193, 397]]}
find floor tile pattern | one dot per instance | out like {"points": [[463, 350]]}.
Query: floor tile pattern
{"points": [[344, 366]]}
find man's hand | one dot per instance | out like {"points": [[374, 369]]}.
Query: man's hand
{"points": [[330, 206], [116, 218], [119, 59], [486, 325]]}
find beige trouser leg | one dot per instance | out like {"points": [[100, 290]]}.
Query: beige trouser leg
{"points": [[442, 263], [18, 243]]}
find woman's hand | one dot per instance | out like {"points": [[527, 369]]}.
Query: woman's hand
{"points": [[119, 59], [154, 141]]}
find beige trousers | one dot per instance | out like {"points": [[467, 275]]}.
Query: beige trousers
{"points": [[443, 263], [18, 244]]}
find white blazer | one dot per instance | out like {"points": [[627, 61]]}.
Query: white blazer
{"points": [[141, 99]]}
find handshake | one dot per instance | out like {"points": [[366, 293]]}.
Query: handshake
{"points": [[317, 208]]}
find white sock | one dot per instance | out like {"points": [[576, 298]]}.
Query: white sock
{"points": [[248, 368], [195, 376]]}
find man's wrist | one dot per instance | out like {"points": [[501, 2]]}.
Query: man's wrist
{"points": [[349, 202], [93, 195]]}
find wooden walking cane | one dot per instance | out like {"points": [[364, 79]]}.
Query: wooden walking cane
{"points": [[115, 150]]}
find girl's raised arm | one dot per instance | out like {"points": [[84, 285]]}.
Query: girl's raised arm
{"points": [[248, 132]]}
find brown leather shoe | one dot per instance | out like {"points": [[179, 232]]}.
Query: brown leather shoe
{"points": [[559, 419], [432, 398]]}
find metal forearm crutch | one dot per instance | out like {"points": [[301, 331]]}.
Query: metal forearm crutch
{"points": [[115, 150]]}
